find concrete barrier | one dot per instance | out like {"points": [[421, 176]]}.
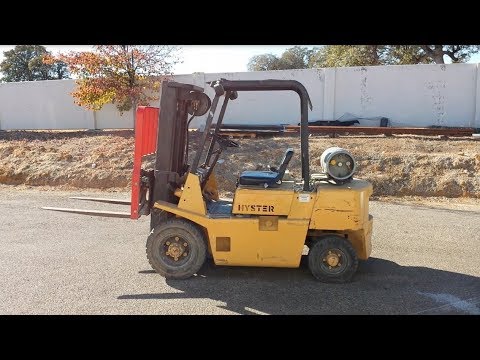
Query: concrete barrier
{"points": [[409, 95]]}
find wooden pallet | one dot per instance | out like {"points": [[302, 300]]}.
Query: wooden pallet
{"points": [[351, 130], [292, 130]]}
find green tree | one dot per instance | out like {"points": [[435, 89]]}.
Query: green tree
{"points": [[405, 55], [264, 62], [457, 53], [348, 55], [297, 57], [26, 63], [364, 55]]}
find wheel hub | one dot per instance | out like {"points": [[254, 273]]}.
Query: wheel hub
{"points": [[176, 248], [333, 259]]}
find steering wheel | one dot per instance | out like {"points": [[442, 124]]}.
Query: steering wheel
{"points": [[223, 141]]}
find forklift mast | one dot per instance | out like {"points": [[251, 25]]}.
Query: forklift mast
{"points": [[170, 164], [171, 141], [176, 103]]}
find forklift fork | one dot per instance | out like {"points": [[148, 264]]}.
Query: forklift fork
{"points": [[142, 181]]}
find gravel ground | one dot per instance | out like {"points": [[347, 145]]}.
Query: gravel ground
{"points": [[424, 260], [396, 166]]}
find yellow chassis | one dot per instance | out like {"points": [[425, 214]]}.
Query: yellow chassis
{"points": [[269, 227]]}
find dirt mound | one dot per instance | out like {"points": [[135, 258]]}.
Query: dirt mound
{"points": [[399, 166], [71, 159]]}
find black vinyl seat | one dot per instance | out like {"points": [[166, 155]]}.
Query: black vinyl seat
{"points": [[267, 178]]}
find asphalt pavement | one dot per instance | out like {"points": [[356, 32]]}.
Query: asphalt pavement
{"points": [[424, 261]]}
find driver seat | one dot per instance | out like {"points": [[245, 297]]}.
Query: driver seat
{"points": [[267, 178]]}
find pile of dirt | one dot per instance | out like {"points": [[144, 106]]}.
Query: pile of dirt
{"points": [[67, 159], [397, 166]]}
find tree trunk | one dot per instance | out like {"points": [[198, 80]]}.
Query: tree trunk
{"points": [[438, 57], [436, 53], [134, 115], [375, 55]]}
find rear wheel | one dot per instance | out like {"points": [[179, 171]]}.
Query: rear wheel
{"points": [[176, 249], [332, 259]]}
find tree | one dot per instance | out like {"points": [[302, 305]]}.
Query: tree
{"points": [[348, 55], [125, 75], [364, 55], [405, 55], [457, 53], [26, 63], [297, 57], [264, 62]]}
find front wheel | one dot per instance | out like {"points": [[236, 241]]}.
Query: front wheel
{"points": [[332, 259], [176, 249]]}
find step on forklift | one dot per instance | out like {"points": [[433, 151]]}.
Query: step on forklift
{"points": [[271, 217]]}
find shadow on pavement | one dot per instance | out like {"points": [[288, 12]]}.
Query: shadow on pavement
{"points": [[379, 287]]}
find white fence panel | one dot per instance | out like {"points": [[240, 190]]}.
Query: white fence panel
{"points": [[409, 95]]}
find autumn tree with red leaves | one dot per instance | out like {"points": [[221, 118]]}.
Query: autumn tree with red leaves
{"points": [[125, 75]]}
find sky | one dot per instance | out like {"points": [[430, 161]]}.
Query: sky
{"points": [[205, 58]]}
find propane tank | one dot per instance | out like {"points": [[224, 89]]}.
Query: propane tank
{"points": [[338, 164]]}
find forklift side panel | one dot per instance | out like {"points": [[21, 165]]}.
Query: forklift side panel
{"points": [[341, 207], [247, 240]]}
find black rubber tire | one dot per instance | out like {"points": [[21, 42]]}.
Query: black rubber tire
{"points": [[317, 266], [189, 233]]}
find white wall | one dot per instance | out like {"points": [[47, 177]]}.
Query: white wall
{"points": [[41, 105], [110, 118], [419, 95], [409, 95]]}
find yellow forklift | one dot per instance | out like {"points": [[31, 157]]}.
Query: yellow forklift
{"points": [[271, 217]]}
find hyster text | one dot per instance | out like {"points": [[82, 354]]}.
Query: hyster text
{"points": [[256, 208]]}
